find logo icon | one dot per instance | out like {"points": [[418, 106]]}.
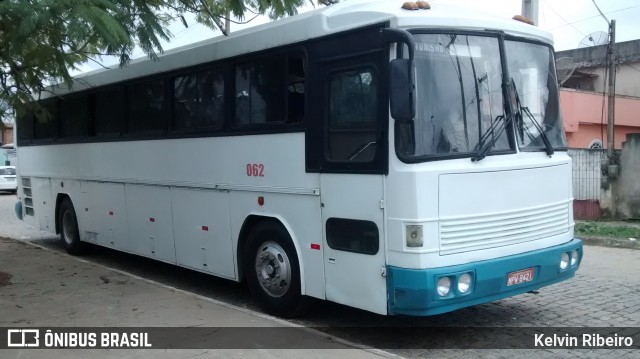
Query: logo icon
{"points": [[23, 338]]}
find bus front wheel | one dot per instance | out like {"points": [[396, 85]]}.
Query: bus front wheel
{"points": [[68, 223], [272, 270]]}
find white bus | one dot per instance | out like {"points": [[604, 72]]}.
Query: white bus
{"points": [[399, 161]]}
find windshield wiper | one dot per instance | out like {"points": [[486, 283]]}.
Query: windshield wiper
{"points": [[520, 121], [485, 144]]}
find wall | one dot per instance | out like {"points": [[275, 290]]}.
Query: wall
{"points": [[590, 64], [6, 135], [584, 119], [627, 186], [627, 79]]}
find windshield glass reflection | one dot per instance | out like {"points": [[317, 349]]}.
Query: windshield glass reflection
{"points": [[458, 96], [532, 69]]}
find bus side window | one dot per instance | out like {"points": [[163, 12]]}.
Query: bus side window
{"points": [[352, 115], [108, 111], [46, 120], [25, 126], [295, 89], [198, 101], [211, 99], [145, 106], [260, 89], [185, 101], [73, 116]]}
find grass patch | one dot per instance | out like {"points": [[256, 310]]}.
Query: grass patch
{"points": [[596, 229]]}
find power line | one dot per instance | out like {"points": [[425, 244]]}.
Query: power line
{"points": [[592, 17], [600, 11], [565, 20]]}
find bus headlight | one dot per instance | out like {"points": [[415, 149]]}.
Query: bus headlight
{"points": [[564, 260], [574, 257], [413, 235], [464, 283], [444, 286]]}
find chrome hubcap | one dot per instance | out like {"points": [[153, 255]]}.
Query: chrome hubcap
{"points": [[68, 227], [273, 269]]}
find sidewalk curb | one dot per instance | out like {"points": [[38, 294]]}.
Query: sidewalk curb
{"points": [[610, 242]]}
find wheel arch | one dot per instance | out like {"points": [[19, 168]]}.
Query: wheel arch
{"points": [[249, 223]]}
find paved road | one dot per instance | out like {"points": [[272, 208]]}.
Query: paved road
{"points": [[604, 293]]}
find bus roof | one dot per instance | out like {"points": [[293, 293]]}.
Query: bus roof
{"points": [[323, 21]]}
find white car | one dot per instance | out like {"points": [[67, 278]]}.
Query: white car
{"points": [[8, 179]]}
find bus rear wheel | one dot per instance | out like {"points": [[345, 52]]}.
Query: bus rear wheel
{"points": [[272, 270], [68, 223]]}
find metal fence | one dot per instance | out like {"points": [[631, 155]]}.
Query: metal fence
{"points": [[587, 172], [587, 179]]}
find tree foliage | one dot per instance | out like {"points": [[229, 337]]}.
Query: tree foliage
{"points": [[41, 41]]}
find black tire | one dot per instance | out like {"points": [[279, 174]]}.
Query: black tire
{"points": [[268, 239], [68, 225]]}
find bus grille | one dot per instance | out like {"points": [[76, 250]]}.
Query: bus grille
{"points": [[471, 233]]}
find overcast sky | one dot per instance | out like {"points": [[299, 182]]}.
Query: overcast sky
{"points": [[570, 21]]}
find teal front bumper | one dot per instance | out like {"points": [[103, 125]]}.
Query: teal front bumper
{"points": [[413, 291]]}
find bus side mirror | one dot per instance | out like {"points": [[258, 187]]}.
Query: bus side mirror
{"points": [[402, 99]]}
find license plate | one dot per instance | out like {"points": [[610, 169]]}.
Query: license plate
{"points": [[521, 276]]}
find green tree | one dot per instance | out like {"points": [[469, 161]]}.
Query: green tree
{"points": [[41, 41]]}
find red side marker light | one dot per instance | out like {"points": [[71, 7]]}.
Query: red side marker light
{"points": [[260, 200], [152, 219], [315, 246], [111, 213], [205, 228]]}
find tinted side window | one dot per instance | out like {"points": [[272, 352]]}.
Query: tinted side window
{"points": [[199, 100], [145, 106], [108, 107], [352, 115], [353, 235], [46, 120], [211, 99], [260, 92], [185, 101], [295, 89], [25, 127], [73, 116]]}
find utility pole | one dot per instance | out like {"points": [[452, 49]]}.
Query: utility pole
{"points": [[530, 10], [612, 91]]}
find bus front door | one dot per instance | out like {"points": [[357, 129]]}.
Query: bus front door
{"points": [[348, 144]]}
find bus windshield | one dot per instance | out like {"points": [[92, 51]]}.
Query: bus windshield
{"points": [[459, 97], [532, 69]]}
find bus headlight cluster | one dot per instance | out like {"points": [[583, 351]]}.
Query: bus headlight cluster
{"points": [[564, 261], [464, 283], [444, 286], [569, 259], [574, 257], [454, 285]]}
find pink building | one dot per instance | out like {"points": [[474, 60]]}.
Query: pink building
{"points": [[585, 118], [583, 105]]}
